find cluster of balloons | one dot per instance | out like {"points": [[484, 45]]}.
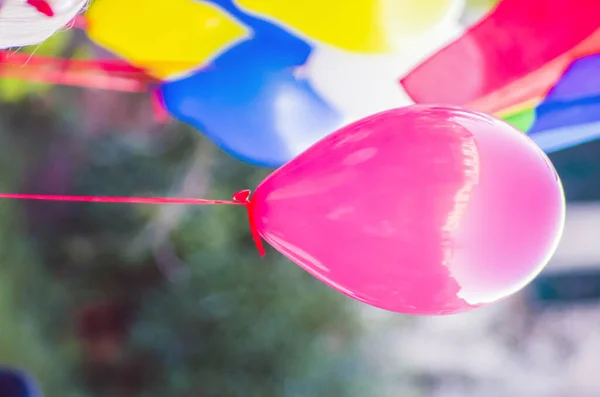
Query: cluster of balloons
{"points": [[265, 79], [420, 210], [544, 78]]}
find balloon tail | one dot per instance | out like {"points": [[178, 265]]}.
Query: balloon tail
{"points": [[239, 198], [243, 196]]}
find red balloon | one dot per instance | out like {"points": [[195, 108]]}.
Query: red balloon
{"points": [[420, 210]]}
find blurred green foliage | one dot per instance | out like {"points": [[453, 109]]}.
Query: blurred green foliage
{"points": [[130, 300], [30, 299], [92, 305]]}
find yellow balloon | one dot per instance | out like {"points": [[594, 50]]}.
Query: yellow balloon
{"points": [[367, 26], [165, 37]]}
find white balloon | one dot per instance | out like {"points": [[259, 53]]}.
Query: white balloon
{"points": [[22, 25], [359, 85]]}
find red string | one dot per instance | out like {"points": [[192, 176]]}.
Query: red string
{"points": [[239, 198], [109, 199]]}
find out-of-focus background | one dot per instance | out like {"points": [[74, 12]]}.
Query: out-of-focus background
{"points": [[130, 300]]}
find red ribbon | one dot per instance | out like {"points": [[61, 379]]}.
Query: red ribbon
{"points": [[240, 198], [116, 75]]}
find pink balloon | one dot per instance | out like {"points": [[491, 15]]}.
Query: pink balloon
{"points": [[420, 210]]}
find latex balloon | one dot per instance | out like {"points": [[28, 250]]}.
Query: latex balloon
{"points": [[251, 101], [167, 38], [569, 115], [367, 26], [15, 383], [359, 85], [420, 210], [29, 22]]}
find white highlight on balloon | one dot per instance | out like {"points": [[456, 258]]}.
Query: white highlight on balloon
{"points": [[359, 85]]}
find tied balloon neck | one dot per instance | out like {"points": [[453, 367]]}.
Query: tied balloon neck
{"points": [[243, 197]]}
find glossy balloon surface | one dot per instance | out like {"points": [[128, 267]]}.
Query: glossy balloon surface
{"points": [[359, 85], [420, 210]]}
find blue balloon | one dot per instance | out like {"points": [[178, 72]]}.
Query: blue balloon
{"points": [[570, 113], [15, 383], [250, 100]]}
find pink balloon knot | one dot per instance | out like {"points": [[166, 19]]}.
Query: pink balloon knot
{"points": [[243, 196]]}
